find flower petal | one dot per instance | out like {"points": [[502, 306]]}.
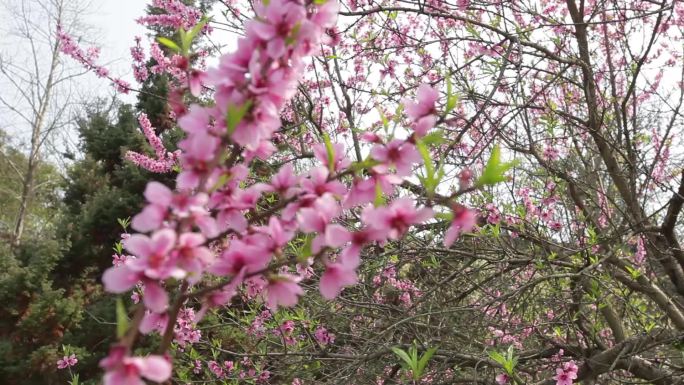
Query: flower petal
{"points": [[119, 279], [155, 298]]}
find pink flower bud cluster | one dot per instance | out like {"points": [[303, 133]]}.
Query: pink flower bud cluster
{"points": [[88, 59], [257, 80], [175, 15], [215, 221], [140, 71], [164, 161]]}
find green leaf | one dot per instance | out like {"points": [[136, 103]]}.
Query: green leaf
{"points": [[190, 36], [494, 170], [511, 360], [404, 356], [593, 237], [124, 222], [222, 180], [385, 122], [121, 318], [74, 379], [635, 273], [292, 38], [168, 43], [413, 350], [498, 357], [330, 150], [183, 39], [379, 197], [508, 362], [235, 114], [434, 138], [118, 247], [430, 180], [307, 249], [424, 360], [363, 165], [452, 99]]}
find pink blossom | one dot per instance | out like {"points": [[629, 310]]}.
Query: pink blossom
{"points": [[222, 296], [164, 160], [566, 374], [152, 216], [551, 153], [464, 221], [198, 151], [423, 112], [502, 379], [284, 182], [336, 236], [318, 184], [336, 277], [340, 160], [323, 336], [120, 279], [155, 297], [195, 81], [570, 367], [240, 255], [278, 21], [121, 369], [395, 219], [153, 322], [283, 290], [555, 226], [365, 190], [426, 97], [196, 120], [193, 257], [278, 235], [465, 178], [153, 254], [397, 154], [315, 219], [216, 369], [424, 124], [67, 361]]}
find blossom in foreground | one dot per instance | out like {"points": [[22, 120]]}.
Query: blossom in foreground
{"points": [[464, 221], [283, 290], [335, 278], [121, 369], [397, 154], [394, 220], [337, 236], [422, 112]]}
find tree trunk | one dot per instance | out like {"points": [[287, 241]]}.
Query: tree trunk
{"points": [[36, 142]]}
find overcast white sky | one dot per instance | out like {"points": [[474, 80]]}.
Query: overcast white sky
{"points": [[115, 20]]}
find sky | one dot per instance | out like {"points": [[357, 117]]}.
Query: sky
{"points": [[115, 22]]}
